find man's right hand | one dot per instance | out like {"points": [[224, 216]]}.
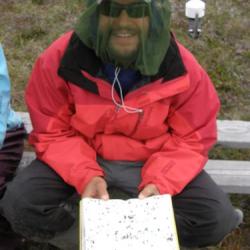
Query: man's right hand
{"points": [[96, 188]]}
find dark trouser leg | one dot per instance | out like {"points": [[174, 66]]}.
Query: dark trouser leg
{"points": [[204, 214], [34, 202], [10, 156]]}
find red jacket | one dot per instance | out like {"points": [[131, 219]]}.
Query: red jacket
{"points": [[75, 119]]}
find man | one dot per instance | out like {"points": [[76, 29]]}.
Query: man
{"points": [[11, 147], [120, 103]]}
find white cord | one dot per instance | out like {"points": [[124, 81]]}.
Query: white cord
{"points": [[122, 105]]}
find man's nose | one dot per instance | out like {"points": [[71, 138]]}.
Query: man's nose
{"points": [[123, 18]]}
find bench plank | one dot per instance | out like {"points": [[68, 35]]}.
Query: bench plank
{"points": [[26, 120], [27, 158], [234, 134], [232, 176]]}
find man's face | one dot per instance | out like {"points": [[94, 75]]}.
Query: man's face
{"points": [[126, 20]]}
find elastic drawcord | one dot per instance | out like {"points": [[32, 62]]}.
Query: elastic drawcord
{"points": [[122, 105]]}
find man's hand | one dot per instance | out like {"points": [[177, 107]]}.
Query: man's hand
{"points": [[96, 188], [149, 190]]}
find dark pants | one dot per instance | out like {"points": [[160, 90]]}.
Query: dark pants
{"points": [[10, 156], [35, 201]]}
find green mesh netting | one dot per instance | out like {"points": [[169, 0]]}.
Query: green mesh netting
{"points": [[127, 33]]}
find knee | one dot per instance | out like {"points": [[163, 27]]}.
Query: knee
{"points": [[30, 216], [16, 208], [13, 199], [223, 221], [206, 227]]}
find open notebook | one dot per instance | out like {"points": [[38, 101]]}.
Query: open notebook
{"points": [[132, 224]]}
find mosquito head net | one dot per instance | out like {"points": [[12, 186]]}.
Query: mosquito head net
{"points": [[128, 33]]}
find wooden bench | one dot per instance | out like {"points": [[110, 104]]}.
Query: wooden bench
{"points": [[232, 175]]}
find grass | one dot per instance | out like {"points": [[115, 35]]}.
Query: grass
{"points": [[223, 50], [29, 26]]}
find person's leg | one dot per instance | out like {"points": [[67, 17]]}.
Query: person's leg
{"points": [[34, 203], [204, 214], [10, 156]]}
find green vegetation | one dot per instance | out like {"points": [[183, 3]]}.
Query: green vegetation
{"points": [[29, 26], [223, 50]]}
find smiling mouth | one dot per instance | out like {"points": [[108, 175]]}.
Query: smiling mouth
{"points": [[123, 33]]}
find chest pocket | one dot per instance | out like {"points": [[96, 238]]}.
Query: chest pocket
{"points": [[153, 121]]}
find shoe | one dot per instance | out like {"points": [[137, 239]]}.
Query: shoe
{"points": [[239, 216]]}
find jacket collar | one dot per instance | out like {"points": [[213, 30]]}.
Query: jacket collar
{"points": [[78, 57]]}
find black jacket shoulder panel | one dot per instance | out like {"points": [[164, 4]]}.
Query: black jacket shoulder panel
{"points": [[79, 57]]}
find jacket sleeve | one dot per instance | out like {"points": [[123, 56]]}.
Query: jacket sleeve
{"points": [[192, 132], [4, 96], [8, 118], [56, 143]]}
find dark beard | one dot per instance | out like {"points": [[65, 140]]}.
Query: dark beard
{"points": [[110, 55], [125, 60]]}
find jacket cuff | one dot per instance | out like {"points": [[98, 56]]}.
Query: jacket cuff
{"points": [[82, 185]]}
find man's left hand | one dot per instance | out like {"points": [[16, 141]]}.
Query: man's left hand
{"points": [[149, 190]]}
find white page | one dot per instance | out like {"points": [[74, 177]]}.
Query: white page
{"points": [[134, 224]]}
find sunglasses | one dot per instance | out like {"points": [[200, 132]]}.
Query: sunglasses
{"points": [[134, 10]]}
